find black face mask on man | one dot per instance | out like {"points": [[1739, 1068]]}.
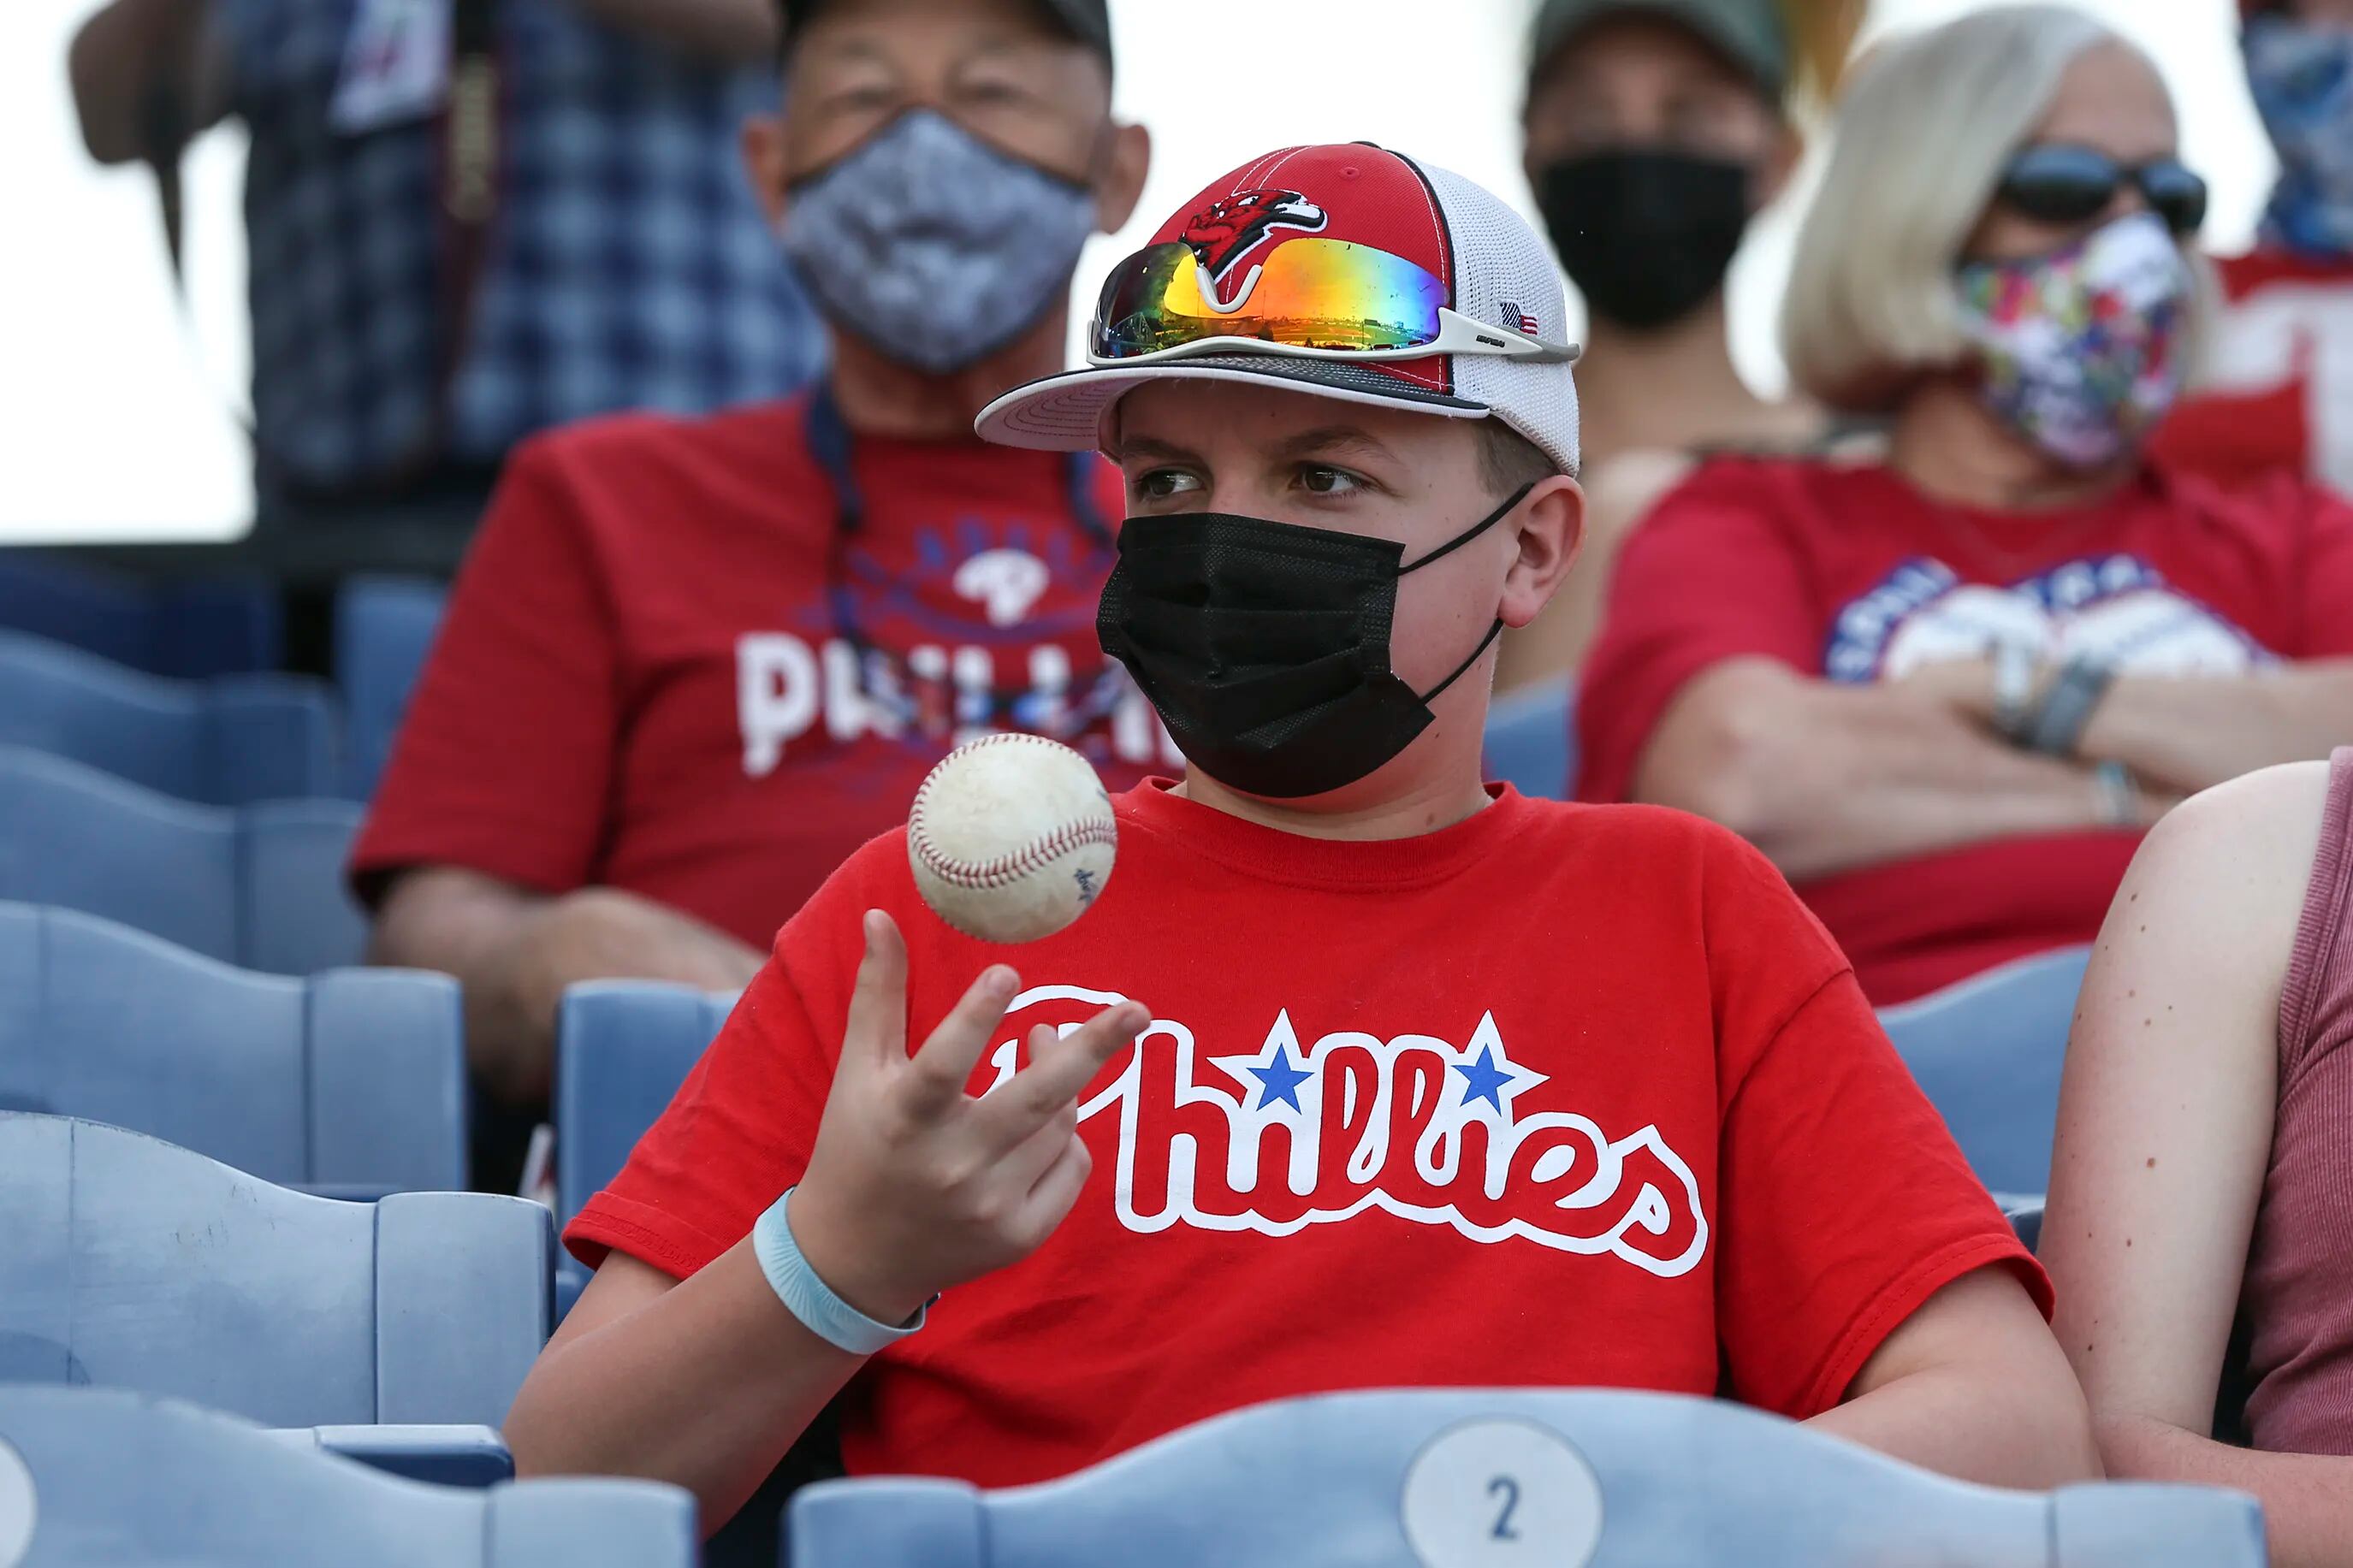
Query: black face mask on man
{"points": [[1646, 234], [1265, 646]]}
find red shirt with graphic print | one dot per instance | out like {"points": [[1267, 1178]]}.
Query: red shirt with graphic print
{"points": [[1558, 1095], [1848, 573], [648, 677], [2276, 381]]}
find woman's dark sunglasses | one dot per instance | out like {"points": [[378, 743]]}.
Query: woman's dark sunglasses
{"points": [[2058, 183]]}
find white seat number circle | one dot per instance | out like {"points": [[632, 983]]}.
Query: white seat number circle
{"points": [[1502, 1493]]}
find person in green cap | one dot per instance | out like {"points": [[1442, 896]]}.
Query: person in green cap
{"points": [[1655, 132]]}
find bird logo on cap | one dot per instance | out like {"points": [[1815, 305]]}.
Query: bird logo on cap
{"points": [[1225, 230]]}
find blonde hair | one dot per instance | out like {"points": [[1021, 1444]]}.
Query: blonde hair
{"points": [[1921, 139]]}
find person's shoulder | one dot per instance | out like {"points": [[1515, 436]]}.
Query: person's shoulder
{"points": [[2265, 267], [2240, 839], [1775, 482], [2277, 502], [1637, 836], [754, 433], [1656, 864], [874, 875], [2216, 895]]}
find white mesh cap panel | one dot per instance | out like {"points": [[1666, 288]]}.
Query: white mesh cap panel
{"points": [[1499, 260]]}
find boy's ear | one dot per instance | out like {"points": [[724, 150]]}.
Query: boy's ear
{"points": [[1552, 530]]}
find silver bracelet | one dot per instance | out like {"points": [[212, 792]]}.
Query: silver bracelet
{"points": [[810, 1299], [2058, 725], [2119, 796], [2014, 665]]}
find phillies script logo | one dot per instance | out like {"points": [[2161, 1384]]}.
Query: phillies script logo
{"points": [[1287, 1135], [1228, 228]]}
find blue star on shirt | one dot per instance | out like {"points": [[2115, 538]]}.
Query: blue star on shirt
{"points": [[1482, 1080], [1278, 1079]]}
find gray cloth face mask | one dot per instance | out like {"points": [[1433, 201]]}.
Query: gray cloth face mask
{"points": [[933, 246]]}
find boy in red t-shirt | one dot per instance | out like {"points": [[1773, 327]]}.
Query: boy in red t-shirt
{"points": [[1394, 1078]]}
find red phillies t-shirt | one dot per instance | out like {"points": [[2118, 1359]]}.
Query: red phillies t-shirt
{"points": [[650, 676], [1848, 573], [1560, 1095], [2275, 384]]}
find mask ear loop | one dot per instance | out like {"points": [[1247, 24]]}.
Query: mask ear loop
{"points": [[1474, 532], [1464, 667], [1456, 542]]}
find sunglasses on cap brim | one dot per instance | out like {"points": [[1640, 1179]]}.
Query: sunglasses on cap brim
{"points": [[1316, 299], [2059, 183]]}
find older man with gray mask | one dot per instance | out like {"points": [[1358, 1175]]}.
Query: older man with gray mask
{"points": [[691, 665]]}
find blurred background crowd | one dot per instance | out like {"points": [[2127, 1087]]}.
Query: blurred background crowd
{"points": [[1965, 434]]}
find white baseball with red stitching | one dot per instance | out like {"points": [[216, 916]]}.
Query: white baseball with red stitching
{"points": [[1011, 837]]}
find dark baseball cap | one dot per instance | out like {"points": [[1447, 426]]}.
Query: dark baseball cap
{"points": [[1751, 33], [1086, 21]]}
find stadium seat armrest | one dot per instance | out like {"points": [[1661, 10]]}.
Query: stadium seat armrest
{"points": [[474, 1457]]}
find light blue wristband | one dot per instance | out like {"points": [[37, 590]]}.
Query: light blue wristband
{"points": [[810, 1299]]}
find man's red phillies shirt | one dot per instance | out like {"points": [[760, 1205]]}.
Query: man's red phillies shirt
{"points": [[650, 675], [2275, 384], [1848, 573], [1558, 1095]]}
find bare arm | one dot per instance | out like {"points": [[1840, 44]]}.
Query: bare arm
{"points": [[705, 1382], [2197, 732], [913, 1188], [514, 951], [147, 74], [2165, 1130], [1972, 1386], [2190, 732], [733, 32], [1824, 777]]}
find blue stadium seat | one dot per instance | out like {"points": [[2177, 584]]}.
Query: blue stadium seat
{"points": [[188, 630], [348, 1079], [1531, 740], [261, 887], [1499, 1477], [622, 1048], [2024, 1212], [383, 629], [104, 1479], [1987, 1052], [131, 1263], [445, 1456], [229, 741]]}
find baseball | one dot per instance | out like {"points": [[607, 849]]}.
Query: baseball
{"points": [[1011, 837]]}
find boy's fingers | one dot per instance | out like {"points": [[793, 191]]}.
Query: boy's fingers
{"points": [[877, 1003], [1056, 1077], [1058, 1188], [943, 1066], [1020, 1167]]}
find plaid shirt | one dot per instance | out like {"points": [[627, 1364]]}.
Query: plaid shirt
{"points": [[629, 265]]}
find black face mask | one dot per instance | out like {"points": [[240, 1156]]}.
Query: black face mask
{"points": [[1647, 236], [1265, 646]]}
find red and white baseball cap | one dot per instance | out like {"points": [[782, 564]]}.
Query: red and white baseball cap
{"points": [[1344, 271]]}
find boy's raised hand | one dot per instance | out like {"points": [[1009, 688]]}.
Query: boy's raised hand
{"points": [[914, 1185]]}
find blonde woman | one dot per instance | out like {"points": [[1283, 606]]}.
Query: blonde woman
{"points": [[1948, 692]]}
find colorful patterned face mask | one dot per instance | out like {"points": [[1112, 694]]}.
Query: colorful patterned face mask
{"points": [[2302, 79], [2081, 350]]}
